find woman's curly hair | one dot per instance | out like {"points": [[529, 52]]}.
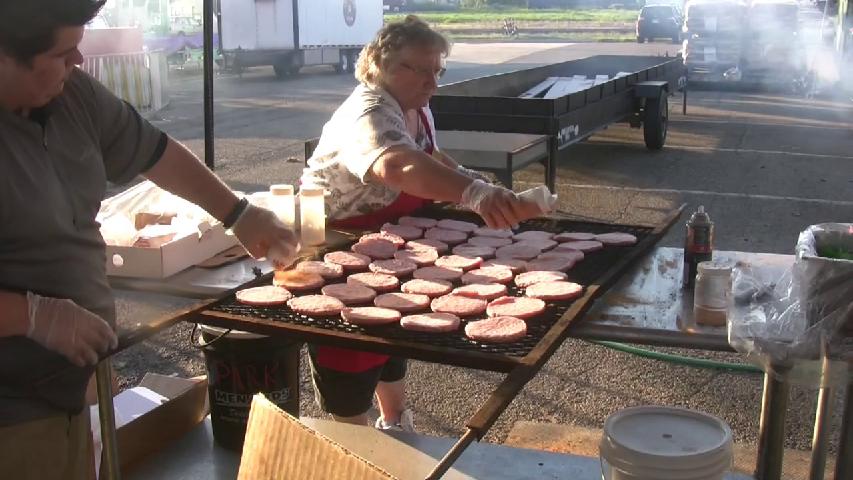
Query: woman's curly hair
{"points": [[393, 37]]}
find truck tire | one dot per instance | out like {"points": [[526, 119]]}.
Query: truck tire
{"points": [[655, 121], [344, 62], [639, 39], [353, 58]]}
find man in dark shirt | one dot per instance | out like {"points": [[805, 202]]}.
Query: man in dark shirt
{"points": [[62, 137]]}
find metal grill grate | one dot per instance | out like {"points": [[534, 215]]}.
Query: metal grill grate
{"points": [[586, 272]]}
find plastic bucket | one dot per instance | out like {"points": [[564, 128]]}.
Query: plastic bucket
{"points": [[239, 365], [665, 443]]}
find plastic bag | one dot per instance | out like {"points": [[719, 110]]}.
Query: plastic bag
{"points": [[797, 324]]}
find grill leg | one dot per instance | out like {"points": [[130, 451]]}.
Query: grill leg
{"points": [[551, 165], [452, 455], [103, 376], [844, 464]]}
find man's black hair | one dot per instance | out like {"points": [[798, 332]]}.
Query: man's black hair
{"points": [[28, 27]]}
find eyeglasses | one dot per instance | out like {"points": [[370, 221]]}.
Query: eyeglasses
{"points": [[424, 72]]}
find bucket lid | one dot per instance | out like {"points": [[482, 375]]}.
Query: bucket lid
{"points": [[233, 334], [667, 439]]}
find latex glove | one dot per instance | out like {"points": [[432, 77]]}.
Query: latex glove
{"points": [[66, 328], [473, 174], [263, 235], [498, 206]]}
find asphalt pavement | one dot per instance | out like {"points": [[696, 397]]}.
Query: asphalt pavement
{"points": [[765, 165]]}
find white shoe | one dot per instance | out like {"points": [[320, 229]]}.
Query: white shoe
{"points": [[406, 423]]}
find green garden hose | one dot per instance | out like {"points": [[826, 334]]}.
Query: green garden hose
{"points": [[679, 359]]}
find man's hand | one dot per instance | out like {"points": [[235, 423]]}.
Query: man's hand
{"points": [[263, 235], [66, 328], [498, 206]]}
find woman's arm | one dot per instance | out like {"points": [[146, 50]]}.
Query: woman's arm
{"points": [[419, 174]]}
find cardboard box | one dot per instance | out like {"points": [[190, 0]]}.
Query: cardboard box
{"points": [[170, 258], [278, 446], [150, 432]]}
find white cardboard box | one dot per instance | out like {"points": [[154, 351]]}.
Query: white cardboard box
{"points": [[170, 258]]}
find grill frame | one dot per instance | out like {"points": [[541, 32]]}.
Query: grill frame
{"points": [[596, 273]]}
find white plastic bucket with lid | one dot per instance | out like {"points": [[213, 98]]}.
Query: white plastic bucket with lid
{"points": [[665, 443]]}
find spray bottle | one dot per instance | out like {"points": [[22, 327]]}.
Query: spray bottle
{"points": [[698, 244]]}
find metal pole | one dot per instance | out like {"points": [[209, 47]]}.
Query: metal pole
{"points": [[110, 465], [209, 158], [771, 435], [551, 168], [452, 455], [684, 95], [844, 463], [820, 438]]}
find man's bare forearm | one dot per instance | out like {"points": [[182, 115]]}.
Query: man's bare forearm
{"points": [[180, 172], [14, 318]]}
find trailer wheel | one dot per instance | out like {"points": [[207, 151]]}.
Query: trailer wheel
{"points": [[344, 62], [353, 57], [639, 39], [655, 121]]}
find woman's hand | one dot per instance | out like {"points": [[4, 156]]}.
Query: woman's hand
{"points": [[499, 207]]}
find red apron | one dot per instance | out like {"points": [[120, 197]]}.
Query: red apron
{"points": [[355, 361]]}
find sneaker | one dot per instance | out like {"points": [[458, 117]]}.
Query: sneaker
{"points": [[406, 423]]}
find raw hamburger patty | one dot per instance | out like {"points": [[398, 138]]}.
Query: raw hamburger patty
{"points": [[617, 238], [527, 279], [349, 260], [375, 248], [523, 252], [324, 269], [559, 264], [574, 236], [450, 237], [497, 330], [514, 264], [458, 305], [377, 281], [493, 242], [350, 293], [395, 239], [264, 296], [370, 315], [532, 235], [431, 322], [428, 244], [493, 232], [316, 305], [575, 255], [438, 273], [404, 231], [558, 290], [403, 302], [418, 257], [485, 291], [585, 246], [519, 307], [474, 251], [488, 275], [398, 268], [458, 261], [459, 225], [540, 243], [419, 222], [296, 280], [430, 288]]}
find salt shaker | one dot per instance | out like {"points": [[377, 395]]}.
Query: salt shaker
{"points": [[283, 204], [712, 293], [312, 215]]}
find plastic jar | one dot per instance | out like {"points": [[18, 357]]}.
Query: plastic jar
{"points": [[712, 294]]}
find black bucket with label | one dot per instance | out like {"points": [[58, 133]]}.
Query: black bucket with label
{"points": [[239, 365]]}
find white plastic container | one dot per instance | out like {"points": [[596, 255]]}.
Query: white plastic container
{"points": [[664, 443], [282, 202], [312, 215]]}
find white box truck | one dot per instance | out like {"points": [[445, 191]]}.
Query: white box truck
{"points": [[290, 34]]}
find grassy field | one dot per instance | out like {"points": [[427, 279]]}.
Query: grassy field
{"points": [[522, 15]]}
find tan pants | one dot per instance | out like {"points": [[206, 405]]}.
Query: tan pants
{"points": [[55, 448]]}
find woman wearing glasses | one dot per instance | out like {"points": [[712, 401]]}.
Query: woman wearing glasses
{"points": [[379, 159]]}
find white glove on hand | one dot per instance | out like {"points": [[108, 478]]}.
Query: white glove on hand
{"points": [[66, 328], [473, 174], [498, 206], [263, 235]]}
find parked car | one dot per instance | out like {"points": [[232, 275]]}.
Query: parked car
{"points": [[659, 21], [394, 5]]}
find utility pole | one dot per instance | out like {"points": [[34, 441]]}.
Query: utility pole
{"points": [[845, 23]]}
